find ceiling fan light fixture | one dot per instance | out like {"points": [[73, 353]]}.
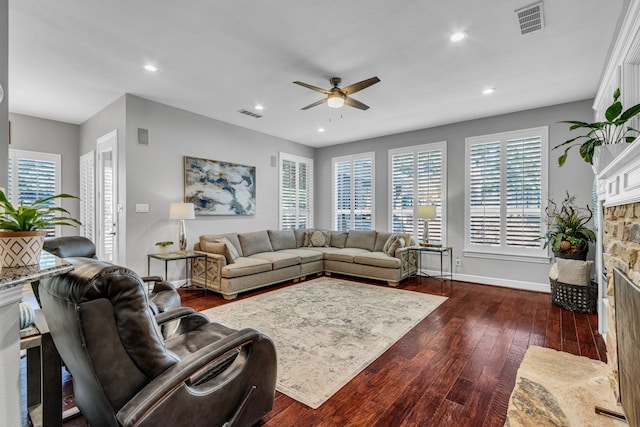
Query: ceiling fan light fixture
{"points": [[335, 100], [456, 37]]}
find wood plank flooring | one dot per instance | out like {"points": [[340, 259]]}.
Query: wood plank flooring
{"points": [[455, 368]]}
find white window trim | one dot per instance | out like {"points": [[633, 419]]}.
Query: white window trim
{"points": [[310, 179], [415, 149], [502, 252], [361, 156], [15, 154]]}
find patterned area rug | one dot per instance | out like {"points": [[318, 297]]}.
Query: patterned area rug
{"points": [[327, 330]]}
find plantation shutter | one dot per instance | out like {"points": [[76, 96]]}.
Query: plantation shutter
{"points": [[296, 177], [524, 192], [484, 191], [506, 193], [418, 178], [33, 176], [87, 196], [353, 197]]}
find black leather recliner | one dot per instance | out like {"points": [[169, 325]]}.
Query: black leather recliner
{"points": [[125, 373], [162, 297]]}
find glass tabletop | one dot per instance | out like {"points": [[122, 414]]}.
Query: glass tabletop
{"points": [[177, 255]]}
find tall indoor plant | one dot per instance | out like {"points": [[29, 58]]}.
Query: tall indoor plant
{"points": [[22, 228], [602, 134], [567, 231]]}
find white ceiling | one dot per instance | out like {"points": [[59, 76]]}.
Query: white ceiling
{"points": [[68, 59]]}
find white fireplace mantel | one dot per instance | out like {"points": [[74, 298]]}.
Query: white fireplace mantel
{"points": [[619, 182]]}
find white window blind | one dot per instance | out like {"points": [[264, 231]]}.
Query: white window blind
{"points": [[296, 192], [87, 196], [418, 177], [506, 192], [33, 176], [353, 192]]}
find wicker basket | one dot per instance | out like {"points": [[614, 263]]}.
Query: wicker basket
{"points": [[581, 299]]}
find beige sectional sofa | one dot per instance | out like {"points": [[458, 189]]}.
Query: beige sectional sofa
{"points": [[239, 262]]}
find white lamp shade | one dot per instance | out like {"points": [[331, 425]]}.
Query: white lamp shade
{"points": [[335, 101], [426, 211], [182, 211]]}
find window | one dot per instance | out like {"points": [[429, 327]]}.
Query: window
{"points": [[33, 176], [87, 197], [506, 189], [418, 177], [353, 192], [296, 192]]}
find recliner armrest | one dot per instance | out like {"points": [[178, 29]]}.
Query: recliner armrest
{"points": [[176, 313], [162, 387]]}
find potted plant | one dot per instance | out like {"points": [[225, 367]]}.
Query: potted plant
{"points": [[567, 231], [606, 134], [164, 246], [22, 228]]}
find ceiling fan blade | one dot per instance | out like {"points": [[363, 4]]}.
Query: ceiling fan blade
{"points": [[322, 101], [357, 104], [317, 89], [351, 89]]}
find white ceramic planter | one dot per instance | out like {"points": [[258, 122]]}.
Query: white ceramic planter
{"points": [[605, 154], [20, 248]]}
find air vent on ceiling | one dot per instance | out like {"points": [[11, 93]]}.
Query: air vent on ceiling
{"points": [[249, 113], [530, 18]]}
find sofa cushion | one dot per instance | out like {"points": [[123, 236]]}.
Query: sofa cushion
{"points": [[278, 259], [339, 239], [363, 239], [255, 242], [381, 239], [282, 239], [344, 255], [244, 266], [377, 259], [232, 237], [305, 255], [221, 247], [299, 233], [317, 239]]}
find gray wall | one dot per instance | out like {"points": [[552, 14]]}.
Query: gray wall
{"points": [[575, 176], [48, 136], [154, 174]]}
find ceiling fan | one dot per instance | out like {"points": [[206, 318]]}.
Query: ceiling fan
{"points": [[337, 97]]}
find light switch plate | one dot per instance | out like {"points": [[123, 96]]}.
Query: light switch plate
{"points": [[142, 207]]}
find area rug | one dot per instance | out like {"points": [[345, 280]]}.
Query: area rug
{"points": [[555, 388], [327, 330]]}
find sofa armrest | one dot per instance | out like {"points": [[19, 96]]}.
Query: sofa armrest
{"points": [[408, 262], [214, 265]]}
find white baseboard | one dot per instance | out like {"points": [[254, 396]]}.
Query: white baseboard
{"points": [[494, 281]]}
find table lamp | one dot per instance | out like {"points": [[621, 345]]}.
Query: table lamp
{"points": [[426, 212], [182, 211]]}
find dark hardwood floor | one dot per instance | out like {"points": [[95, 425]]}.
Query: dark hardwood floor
{"points": [[455, 368]]}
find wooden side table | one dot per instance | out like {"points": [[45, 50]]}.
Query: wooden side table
{"points": [[187, 256]]}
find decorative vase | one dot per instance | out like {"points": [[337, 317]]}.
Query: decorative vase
{"points": [[605, 154], [20, 248]]}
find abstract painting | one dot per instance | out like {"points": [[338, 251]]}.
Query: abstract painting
{"points": [[219, 188]]}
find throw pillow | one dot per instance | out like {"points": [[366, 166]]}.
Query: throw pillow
{"points": [[553, 272], [231, 252], [574, 272], [393, 243], [316, 239]]}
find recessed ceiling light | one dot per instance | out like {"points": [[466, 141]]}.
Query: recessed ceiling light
{"points": [[458, 37], [320, 130], [151, 68], [259, 107], [488, 91]]}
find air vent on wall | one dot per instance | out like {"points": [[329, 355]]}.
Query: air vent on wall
{"points": [[530, 18], [249, 113]]}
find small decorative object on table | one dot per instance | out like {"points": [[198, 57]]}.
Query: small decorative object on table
{"points": [[163, 247]]}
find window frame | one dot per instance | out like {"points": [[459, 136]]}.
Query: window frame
{"points": [[14, 155], [352, 158], [415, 150], [282, 157], [502, 251]]}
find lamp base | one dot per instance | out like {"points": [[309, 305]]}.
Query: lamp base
{"points": [[182, 237]]}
